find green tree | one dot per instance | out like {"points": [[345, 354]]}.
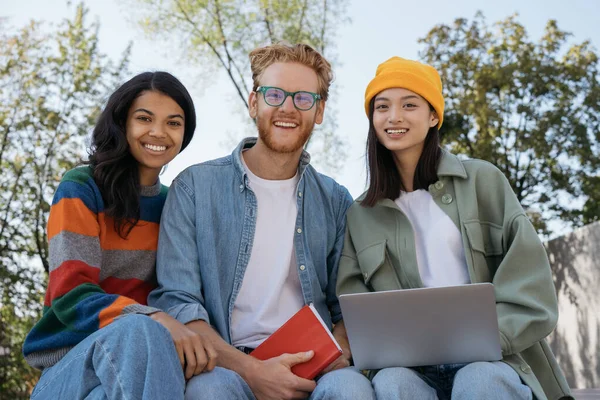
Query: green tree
{"points": [[52, 85], [530, 107], [217, 35], [17, 379]]}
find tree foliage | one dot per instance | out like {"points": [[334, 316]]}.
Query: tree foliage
{"points": [[530, 107]]}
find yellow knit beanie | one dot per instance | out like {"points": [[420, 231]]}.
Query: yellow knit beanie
{"points": [[417, 77]]}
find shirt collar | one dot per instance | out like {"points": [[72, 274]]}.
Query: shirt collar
{"points": [[247, 143], [450, 165]]}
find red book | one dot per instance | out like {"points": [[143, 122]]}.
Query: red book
{"points": [[305, 331]]}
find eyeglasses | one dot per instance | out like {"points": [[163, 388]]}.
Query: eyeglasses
{"points": [[275, 97]]}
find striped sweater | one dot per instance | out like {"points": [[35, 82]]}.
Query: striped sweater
{"points": [[95, 275]]}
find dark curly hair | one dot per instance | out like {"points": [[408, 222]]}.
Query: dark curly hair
{"points": [[115, 170]]}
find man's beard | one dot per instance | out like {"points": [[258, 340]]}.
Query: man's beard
{"points": [[266, 135]]}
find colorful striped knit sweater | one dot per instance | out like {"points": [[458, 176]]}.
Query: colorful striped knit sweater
{"points": [[95, 275]]}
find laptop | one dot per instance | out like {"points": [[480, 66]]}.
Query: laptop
{"points": [[417, 327]]}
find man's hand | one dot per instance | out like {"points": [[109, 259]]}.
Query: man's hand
{"points": [[343, 361], [196, 353], [273, 378]]}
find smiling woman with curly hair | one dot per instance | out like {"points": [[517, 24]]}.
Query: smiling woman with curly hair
{"points": [[97, 337]]}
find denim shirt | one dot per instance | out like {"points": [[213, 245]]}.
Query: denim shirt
{"points": [[206, 235]]}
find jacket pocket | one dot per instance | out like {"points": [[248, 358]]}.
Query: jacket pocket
{"points": [[378, 272], [485, 240]]}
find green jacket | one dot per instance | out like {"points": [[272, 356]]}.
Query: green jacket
{"points": [[501, 246]]}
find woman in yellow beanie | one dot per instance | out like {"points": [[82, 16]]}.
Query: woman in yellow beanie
{"points": [[430, 219]]}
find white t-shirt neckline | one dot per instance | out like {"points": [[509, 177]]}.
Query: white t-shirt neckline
{"points": [[439, 247]]}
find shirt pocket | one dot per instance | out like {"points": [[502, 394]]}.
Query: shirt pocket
{"points": [[377, 270], [485, 240]]}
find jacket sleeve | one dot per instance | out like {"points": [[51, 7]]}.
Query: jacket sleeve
{"points": [[525, 295], [350, 278], [179, 290]]}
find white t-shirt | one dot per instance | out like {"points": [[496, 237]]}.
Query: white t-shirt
{"points": [[440, 252], [271, 291]]}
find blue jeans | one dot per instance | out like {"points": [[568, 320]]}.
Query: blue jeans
{"points": [[225, 384], [478, 380], [132, 358]]}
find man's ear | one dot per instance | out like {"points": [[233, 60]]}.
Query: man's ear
{"points": [[433, 119], [320, 112], [253, 105]]}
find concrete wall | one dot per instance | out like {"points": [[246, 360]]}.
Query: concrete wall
{"points": [[575, 260]]}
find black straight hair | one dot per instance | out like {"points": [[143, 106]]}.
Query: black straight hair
{"points": [[382, 173], [115, 170]]}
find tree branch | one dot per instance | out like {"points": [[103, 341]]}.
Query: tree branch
{"points": [[267, 22], [323, 28], [301, 21], [41, 241], [7, 209], [230, 59], [523, 188], [215, 52], [8, 129], [467, 141]]}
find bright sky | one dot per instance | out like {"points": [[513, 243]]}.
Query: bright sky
{"points": [[379, 29]]}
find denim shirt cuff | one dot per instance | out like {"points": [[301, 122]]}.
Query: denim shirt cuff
{"points": [[189, 312]]}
